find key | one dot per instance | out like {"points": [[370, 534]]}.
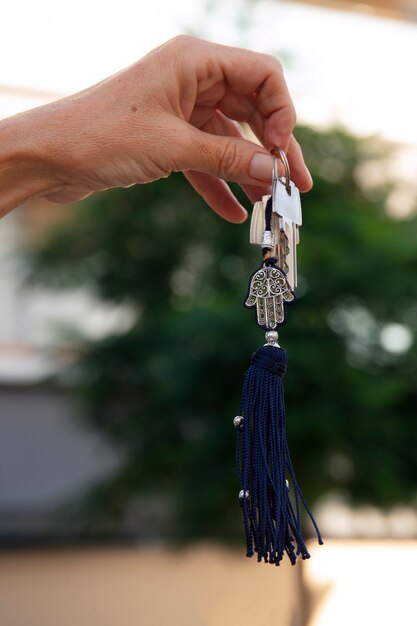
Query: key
{"points": [[291, 231], [285, 204], [281, 247], [284, 232], [291, 258], [288, 207], [257, 225]]}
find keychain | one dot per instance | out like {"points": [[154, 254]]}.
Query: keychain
{"points": [[272, 517]]}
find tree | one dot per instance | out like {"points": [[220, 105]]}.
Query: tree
{"points": [[167, 389]]}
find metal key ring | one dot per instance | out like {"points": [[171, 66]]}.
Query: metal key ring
{"points": [[279, 153]]}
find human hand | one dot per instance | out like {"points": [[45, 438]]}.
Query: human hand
{"points": [[176, 109]]}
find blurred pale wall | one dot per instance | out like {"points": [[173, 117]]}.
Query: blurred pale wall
{"points": [[344, 583], [203, 586], [362, 582], [45, 459], [46, 456], [398, 9]]}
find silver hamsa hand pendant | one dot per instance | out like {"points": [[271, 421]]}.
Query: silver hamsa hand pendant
{"points": [[269, 291]]}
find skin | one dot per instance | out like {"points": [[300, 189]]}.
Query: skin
{"points": [[176, 109]]}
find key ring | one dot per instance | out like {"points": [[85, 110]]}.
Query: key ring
{"points": [[278, 153]]}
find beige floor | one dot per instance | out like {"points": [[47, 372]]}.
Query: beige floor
{"points": [[203, 586]]}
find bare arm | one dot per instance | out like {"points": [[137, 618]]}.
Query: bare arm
{"points": [[176, 109]]}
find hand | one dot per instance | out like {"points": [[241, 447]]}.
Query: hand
{"points": [[176, 109], [268, 291]]}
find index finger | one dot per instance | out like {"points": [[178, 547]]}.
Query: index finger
{"points": [[261, 78]]}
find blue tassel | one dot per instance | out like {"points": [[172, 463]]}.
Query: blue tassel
{"points": [[272, 521]]}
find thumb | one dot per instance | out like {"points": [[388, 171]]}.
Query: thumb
{"points": [[231, 158]]}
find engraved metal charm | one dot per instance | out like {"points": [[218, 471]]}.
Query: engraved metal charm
{"points": [[269, 291]]}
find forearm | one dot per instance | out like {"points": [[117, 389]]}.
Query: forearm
{"points": [[175, 110], [26, 170]]}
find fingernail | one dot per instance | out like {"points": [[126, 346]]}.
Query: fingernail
{"points": [[261, 166]]}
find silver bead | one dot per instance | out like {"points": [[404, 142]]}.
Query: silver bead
{"points": [[238, 421], [271, 337], [244, 495], [287, 484], [267, 240]]}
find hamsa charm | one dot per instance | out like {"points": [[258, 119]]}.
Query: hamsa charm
{"points": [[269, 291]]}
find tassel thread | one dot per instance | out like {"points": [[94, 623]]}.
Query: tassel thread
{"points": [[272, 520]]}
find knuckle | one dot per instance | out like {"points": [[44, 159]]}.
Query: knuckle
{"points": [[274, 62], [183, 41], [292, 115], [177, 158], [228, 159]]}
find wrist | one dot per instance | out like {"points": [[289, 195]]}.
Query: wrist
{"points": [[26, 169]]}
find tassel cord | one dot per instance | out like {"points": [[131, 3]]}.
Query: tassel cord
{"points": [[272, 523], [298, 491]]}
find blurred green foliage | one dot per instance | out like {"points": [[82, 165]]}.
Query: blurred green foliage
{"points": [[167, 390]]}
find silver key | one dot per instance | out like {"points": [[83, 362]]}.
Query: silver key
{"points": [[286, 204], [283, 249], [257, 225], [285, 221], [279, 230]]}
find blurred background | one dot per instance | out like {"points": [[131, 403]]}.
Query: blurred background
{"points": [[122, 359]]}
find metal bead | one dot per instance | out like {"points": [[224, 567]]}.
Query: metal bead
{"points": [[238, 421], [267, 240], [288, 484], [244, 495], [271, 337]]}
